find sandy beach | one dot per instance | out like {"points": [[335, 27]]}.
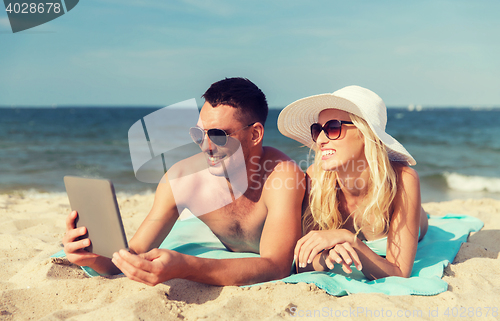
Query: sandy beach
{"points": [[35, 287]]}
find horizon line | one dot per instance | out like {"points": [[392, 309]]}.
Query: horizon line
{"points": [[410, 107]]}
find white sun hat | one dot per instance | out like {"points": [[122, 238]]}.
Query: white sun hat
{"points": [[295, 120]]}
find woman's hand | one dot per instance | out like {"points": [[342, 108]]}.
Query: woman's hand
{"points": [[342, 254], [75, 247], [315, 242]]}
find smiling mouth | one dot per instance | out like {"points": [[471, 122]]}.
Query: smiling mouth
{"points": [[215, 159], [327, 153]]}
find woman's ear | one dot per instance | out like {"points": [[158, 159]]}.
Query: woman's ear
{"points": [[257, 133]]}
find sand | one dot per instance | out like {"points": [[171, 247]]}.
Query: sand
{"points": [[35, 287]]}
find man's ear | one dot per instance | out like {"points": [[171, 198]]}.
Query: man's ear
{"points": [[257, 133]]}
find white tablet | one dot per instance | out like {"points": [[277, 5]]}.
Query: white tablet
{"points": [[95, 202]]}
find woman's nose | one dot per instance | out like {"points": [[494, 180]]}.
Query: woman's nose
{"points": [[322, 139]]}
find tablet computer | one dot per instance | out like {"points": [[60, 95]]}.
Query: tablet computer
{"points": [[95, 202]]}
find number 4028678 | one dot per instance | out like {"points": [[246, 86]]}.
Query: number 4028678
{"points": [[34, 7], [471, 312]]}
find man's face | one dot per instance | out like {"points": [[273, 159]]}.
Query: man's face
{"points": [[229, 156]]}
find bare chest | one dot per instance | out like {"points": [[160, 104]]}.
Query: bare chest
{"points": [[239, 224]]}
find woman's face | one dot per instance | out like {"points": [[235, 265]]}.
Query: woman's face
{"points": [[346, 153]]}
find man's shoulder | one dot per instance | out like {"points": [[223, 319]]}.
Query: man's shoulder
{"points": [[275, 160], [283, 175], [284, 181]]}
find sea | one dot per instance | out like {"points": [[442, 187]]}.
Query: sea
{"points": [[457, 149]]}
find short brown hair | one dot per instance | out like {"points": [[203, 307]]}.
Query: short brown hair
{"points": [[242, 94]]}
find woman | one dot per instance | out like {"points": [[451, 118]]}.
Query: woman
{"points": [[362, 192]]}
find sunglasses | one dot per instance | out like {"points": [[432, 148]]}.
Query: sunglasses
{"points": [[216, 135], [332, 129]]}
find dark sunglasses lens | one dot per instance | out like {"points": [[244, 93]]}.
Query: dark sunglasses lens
{"points": [[197, 135], [217, 136], [332, 128], [315, 131]]}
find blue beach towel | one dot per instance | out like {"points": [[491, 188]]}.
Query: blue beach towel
{"points": [[438, 248]]}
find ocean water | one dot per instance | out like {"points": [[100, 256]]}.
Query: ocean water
{"points": [[457, 149]]}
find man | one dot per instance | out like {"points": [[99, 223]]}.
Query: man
{"points": [[265, 219]]}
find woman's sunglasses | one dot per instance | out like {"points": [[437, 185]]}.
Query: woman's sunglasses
{"points": [[216, 135], [332, 129]]}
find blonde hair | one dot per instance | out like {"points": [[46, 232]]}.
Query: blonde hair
{"points": [[323, 211]]}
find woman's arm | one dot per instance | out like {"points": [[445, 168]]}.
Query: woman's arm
{"points": [[402, 238], [342, 254]]}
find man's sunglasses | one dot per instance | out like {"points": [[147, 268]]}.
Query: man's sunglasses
{"points": [[216, 135], [332, 129]]}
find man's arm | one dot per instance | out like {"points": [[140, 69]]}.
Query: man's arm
{"points": [[150, 234], [160, 220], [283, 193]]}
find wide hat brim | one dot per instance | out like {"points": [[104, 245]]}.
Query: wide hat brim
{"points": [[296, 119]]}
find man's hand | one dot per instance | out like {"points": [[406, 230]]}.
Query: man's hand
{"points": [[151, 268], [74, 247]]}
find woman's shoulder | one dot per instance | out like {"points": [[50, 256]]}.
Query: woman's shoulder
{"points": [[310, 170], [406, 175]]}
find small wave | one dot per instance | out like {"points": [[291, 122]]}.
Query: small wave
{"points": [[130, 194], [41, 194], [465, 183], [33, 193]]}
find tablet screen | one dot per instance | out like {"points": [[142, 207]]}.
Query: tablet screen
{"points": [[95, 202]]}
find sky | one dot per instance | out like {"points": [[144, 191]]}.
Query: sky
{"points": [[157, 53]]}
